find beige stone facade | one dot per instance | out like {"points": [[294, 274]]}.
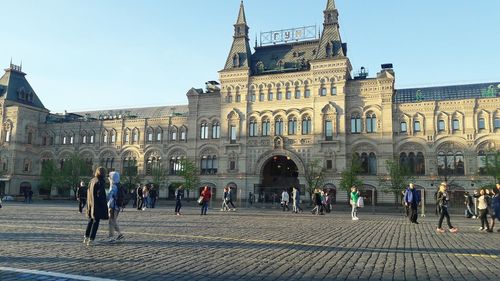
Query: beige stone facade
{"points": [[290, 103]]}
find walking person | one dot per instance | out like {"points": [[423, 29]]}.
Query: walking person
{"points": [[316, 199], [285, 198], [469, 204], [296, 200], [225, 199], [491, 209], [140, 199], [179, 194], [114, 207], [230, 197], [206, 195], [153, 196], [145, 197], [442, 200], [482, 206], [496, 203], [97, 208], [354, 196], [412, 201], [81, 196]]}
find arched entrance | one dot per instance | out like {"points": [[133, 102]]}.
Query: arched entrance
{"points": [[279, 173]]}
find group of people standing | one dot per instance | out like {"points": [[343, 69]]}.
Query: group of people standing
{"points": [[102, 205], [145, 197]]}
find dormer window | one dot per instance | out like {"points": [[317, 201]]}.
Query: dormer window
{"points": [[236, 61]]}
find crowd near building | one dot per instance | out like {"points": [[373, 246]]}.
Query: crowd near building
{"points": [[276, 107]]}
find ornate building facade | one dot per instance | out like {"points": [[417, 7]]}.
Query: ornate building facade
{"points": [[275, 110]]}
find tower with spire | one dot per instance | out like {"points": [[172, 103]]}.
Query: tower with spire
{"points": [[240, 53], [330, 44]]}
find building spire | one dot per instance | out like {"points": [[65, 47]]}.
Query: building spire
{"points": [[330, 5], [241, 16]]}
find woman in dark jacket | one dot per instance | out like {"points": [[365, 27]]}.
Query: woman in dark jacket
{"points": [[97, 208]]}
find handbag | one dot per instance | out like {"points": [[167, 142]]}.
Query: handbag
{"points": [[361, 202], [200, 200]]}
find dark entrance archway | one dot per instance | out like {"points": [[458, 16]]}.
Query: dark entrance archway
{"points": [[279, 173]]}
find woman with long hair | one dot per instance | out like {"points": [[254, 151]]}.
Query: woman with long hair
{"points": [[97, 207], [442, 199]]}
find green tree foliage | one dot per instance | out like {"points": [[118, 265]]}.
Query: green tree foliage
{"points": [[397, 180], [159, 175], [315, 176], [349, 176], [492, 166], [73, 171], [49, 177], [190, 173], [130, 178]]}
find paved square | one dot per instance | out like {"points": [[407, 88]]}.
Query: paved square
{"points": [[250, 244]]}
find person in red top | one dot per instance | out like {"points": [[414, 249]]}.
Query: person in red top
{"points": [[206, 194]]}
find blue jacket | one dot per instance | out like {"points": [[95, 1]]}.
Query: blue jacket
{"points": [[412, 196]]}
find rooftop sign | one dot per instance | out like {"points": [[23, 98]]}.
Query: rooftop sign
{"points": [[288, 35]]}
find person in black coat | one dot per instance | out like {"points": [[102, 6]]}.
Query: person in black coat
{"points": [[81, 194], [97, 208]]}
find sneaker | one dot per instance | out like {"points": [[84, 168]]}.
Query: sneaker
{"points": [[481, 228], [234, 210], [90, 243], [454, 230], [120, 237], [474, 217], [440, 230], [85, 240], [178, 214], [222, 210], [144, 209]]}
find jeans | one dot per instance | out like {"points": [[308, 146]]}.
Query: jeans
{"points": [[81, 204], [204, 208], [484, 218], [285, 206], [113, 223], [413, 213], [444, 213], [92, 227], [140, 203], [178, 206]]}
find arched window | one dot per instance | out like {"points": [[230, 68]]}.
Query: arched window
{"points": [[65, 139], [229, 99], [252, 128], [175, 165], [371, 123], [129, 166], [236, 60], [451, 163], [204, 131], [266, 127], [355, 123], [420, 164], [496, 123], [84, 139], [262, 96], [173, 133], [297, 93], [112, 136], [403, 160], [153, 166], [91, 137], [372, 164], [481, 124], [403, 127], [149, 135], [183, 134], [328, 130], [126, 136], [306, 125], [216, 130], [416, 126], [30, 137], [411, 163], [292, 125], [159, 133], [328, 50], [455, 125], [278, 127]]}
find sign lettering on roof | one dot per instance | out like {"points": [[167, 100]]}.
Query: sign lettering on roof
{"points": [[288, 35]]}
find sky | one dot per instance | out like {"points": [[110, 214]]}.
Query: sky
{"points": [[107, 54]]}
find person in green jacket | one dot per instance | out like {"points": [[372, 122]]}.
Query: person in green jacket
{"points": [[354, 203]]}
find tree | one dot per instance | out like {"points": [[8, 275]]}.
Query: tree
{"points": [[349, 177], [190, 173], [73, 171], [397, 180], [49, 177], [159, 175], [315, 177], [492, 166], [130, 177]]}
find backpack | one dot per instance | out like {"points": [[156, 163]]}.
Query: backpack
{"points": [[120, 196]]}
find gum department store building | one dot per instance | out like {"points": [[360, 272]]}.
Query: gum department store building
{"points": [[277, 108]]}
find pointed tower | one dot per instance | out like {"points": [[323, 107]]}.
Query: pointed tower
{"points": [[330, 44], [240, 53]]}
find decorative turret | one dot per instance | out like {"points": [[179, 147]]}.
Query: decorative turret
{"points": [[330, 45], [240, 53]]}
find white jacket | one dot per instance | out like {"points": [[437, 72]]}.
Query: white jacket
{"points": [[285, 197]]}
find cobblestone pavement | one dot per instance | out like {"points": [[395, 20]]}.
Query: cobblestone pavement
{"points": [[250, 244]]}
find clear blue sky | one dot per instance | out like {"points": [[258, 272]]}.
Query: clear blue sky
{"points": [[93, 54]]}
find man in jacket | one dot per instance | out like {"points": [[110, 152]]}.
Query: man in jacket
{"points": [[97, 209], [412, 199], [179, 194], [114, 207], [81, 196]]}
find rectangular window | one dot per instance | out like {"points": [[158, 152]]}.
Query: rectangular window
{"points": [[329, 164], [270, 96], [158, 136], [279, 96], [496, 123], [441, 126], [416, 126], [334, 91], [238, 98], [150, 136], [307, 93], [266, 128], [481, 124], [328, 130], [403, 127], [232, 165], [92, 139], [232, 134], [322, 92], [288, 95], [183, 136], [252, 97], [297, 94], [456, 125], [262, 97]]}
